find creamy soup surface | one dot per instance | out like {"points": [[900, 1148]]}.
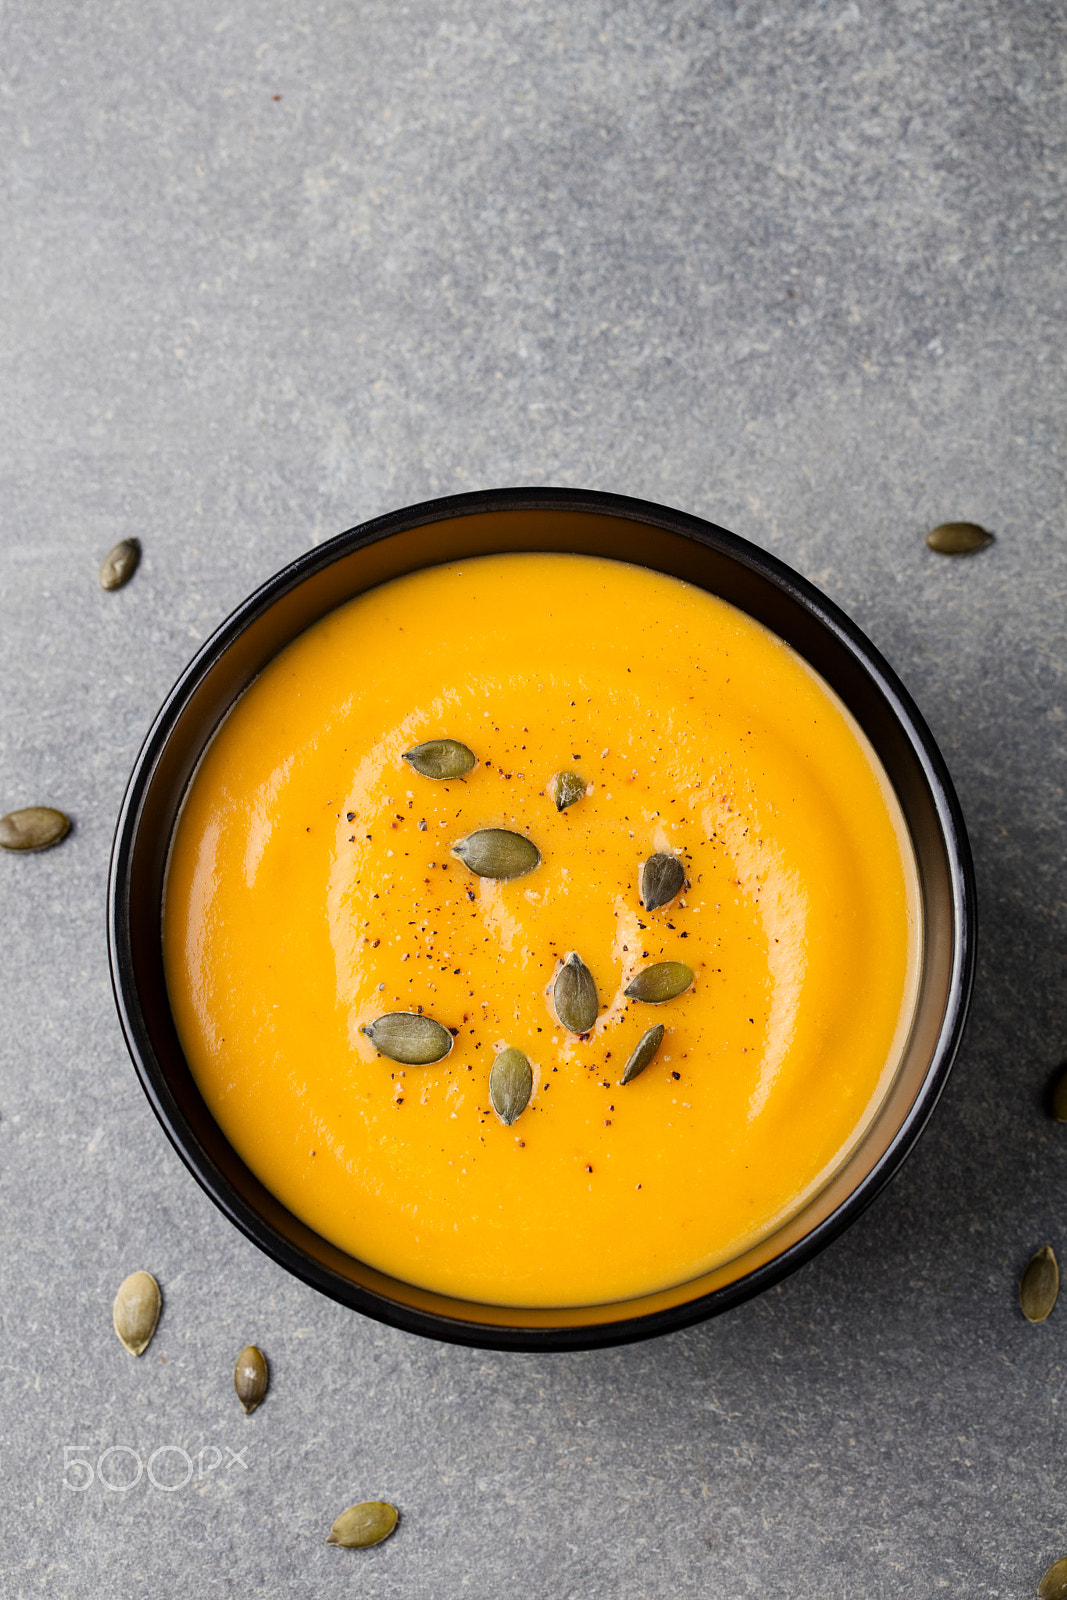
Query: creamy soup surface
{"points": [[312, 889]]}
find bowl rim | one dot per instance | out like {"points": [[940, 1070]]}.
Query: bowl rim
{"points": [[648, 1324]]}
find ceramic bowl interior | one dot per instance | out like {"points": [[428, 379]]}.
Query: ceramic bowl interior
{"points": [[538, 520]]}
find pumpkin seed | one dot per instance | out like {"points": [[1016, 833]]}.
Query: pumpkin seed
{"points": [[120, 564], [136, 1311], [440, 758], [661, 878], [567, 788], [33, 828], [250, 1377], [1059, 1099], [409, 1037], [1053, 1585], [958, 538], [510, 1085], [1039, 1285], [361, 1526], [574, 995], [647, 1046], [664, 981], [498, 853]]}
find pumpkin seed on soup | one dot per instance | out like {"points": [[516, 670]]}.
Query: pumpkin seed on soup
{"points": [[440, 759], [657, 984], [409, 1037], [574, 995], [510, 1085], [644, 1053], [361, 1526], [958, 538], [661, 878], [567, 788], [33, 828], [120, 564], [498, 853], [1039, 1285], [250, 1377], [136, 1311]]}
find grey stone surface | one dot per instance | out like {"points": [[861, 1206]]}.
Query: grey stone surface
{"points": [[271, 268]]}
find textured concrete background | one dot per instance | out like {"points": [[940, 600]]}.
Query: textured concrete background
{"points": [[271, 268]]}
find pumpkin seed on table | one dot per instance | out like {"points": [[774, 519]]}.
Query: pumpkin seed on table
{"points": [[644, 1054], [409, 1037], [364, 1525], [1053, 1585], [250, 1377], [661, 878], [958, 538], [33, 828], [440, 759], [1039, 1285], [120, 564], [566, 789], [510, 1085], [574, 995], [666, 980], [498, 853], [136, 1311], [1059, 1099]]}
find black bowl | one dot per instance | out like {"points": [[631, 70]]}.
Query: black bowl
{"points": [[592, 524]]}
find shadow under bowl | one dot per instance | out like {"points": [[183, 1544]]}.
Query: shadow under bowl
{"points": [[586, 523]]}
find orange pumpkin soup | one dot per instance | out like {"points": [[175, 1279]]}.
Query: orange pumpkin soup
{"points": [[313, 889]]}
